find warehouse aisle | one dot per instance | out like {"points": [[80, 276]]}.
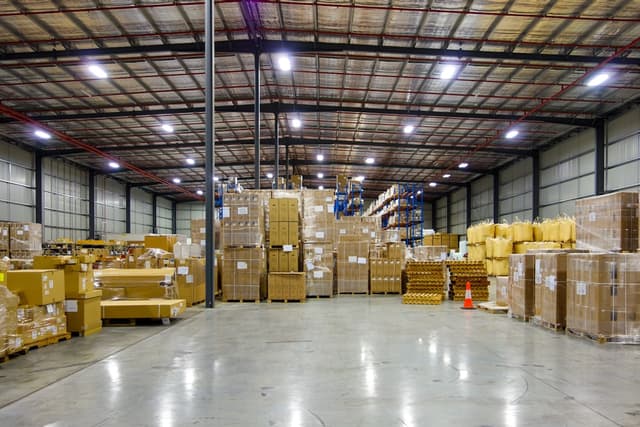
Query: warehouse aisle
{"points": [[348, 361]]}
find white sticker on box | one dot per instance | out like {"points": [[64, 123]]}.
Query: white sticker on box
{"points": [[54, 330], [18, 342], [365, 230], [71, 306], [34, 335], [287, 248], [550, 282], [4, 232], [51, 308], [592, 216], [51, 284], [318, 274], [131, 258], [520, 270], [310, 265], [319, 234], [330, 208], [241, 265], [167, 279], [183, 270], [190, 278], [226, 212], [581, 288], [243, 210], [19, 232], [147, 264], [329, 199], [83, 284], [342, 231], [318, 208], [203, 243], [353, 259], [203, 230], [318, 251], [84, 267], [443, 256], [362, 260], [373, 234], [26, 227]]}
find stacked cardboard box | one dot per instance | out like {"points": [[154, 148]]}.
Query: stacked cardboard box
{"points": [[385, 275], [9, 340], [138, 283], [287, 286], [162, 241], [199, 233], [603, 296], [243, 236], [522, 285], [25, 240], [608, 222], [450, 241], [502, 291], [41, 311], [190, 279], [428, 253], [475, 273], [154, 258], [550, 297], [4, 239], [353, 264], [318, 234]]}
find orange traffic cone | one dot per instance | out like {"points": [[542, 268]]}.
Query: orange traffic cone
{"points": [[468, 303]]}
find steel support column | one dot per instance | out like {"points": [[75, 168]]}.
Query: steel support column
{"points": [[174, 217], [92, 204], [434, 215], [256, 110], [276, 172], [468, 203], [496, 197], [286, 157], [449, 212], [601, 134], [127, 207], [154, 217], [39, 190], [535, 190], [210, 257]]}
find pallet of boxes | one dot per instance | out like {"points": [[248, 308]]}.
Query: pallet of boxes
{"points": [[10, 340], [243, 238], [385, 268], [353, 240], [285, 281], [198, 237], [318, 235]]}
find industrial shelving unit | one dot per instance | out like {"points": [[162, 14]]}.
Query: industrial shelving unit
{"points": [[401, 207]]}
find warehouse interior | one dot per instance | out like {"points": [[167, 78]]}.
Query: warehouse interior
{"points": [[431, 129]]}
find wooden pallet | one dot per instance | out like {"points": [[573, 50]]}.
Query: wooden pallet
{"points": [[519, 317], [44, 342], [548, 325], [492, 308], [286, 300], [603, 339], [137, 321], [354, 293], [319, 296], [385, 292], [257, 301], [86, 333]]}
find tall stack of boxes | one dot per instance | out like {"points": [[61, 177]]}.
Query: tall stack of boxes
{"points": [[4, 239], [385, 272], [318, 235], [353, 264], [20, 240], [286, 282], [551, 289], [522, 285], [243, 238]]}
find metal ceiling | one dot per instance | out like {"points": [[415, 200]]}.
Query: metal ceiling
{"points": [[361, 71]]}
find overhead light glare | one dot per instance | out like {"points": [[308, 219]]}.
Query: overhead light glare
{"points": [[463, 165], [320, 175], [370, 160], [284, 63], [512, 134], [114, 165], [176, 180], [320, 157], [419, 192], [408, 129], [433, 184], [167, 128], [269, 175], [598, 79], [446, 175], [320, 187], [215, 178], [199, 192], [191, 162], [98, 71], [42, 134], [359, 178], [448, 72], [296, 123]]}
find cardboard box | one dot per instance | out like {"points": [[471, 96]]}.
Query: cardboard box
{"points": [[353, 266], [160, 241], [25, 236], [190, 280], [83, 314], [522, 285], [502, 291], [77, 283], [551, 280], [284, 260], [385, 275], [243, 274], [286, 286], [37, 287], [319, 267], [145, 309], [4, 237], [49, 262], [319, 221]]}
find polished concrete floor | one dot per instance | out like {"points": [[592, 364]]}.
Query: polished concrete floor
{"points": [[346, 361]]}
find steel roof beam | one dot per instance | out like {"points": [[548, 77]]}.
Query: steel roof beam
{"points": [[293, 108], [274, 46]]}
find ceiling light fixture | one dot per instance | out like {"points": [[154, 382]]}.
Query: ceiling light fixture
{"points": [[269, 175], [598, 79], [167, 128], [284, 63], [215, 178], [199, 192], [296, 123], [320, 175], [408, 129], [190, 161], [512, 134], [320, 157], [463, 165], [433, 184], [176, 180], [320, 187], [448, 72], [359, 178], [114, 165], [42, 134], [98, 71], [446, 175], [370, 160]]}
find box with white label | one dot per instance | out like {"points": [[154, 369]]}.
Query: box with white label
{"points": [[37, 287], [243, 218], [318, 222], [243, 274], [522, 285], [551, 288], [353, 266], [319, 267], [83, 314]]}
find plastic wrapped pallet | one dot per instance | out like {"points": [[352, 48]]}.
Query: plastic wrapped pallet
{"points": [[551, 288], [522, 285], [4, 239], [25, 239], [243, 218], [8, 320], [502, 291], [428, 253], [319, 221], [319, 267], [353, 265], [37, 323], [603, 296], [524, 247], [286, 286], [155, 258], [199, 233], [243, 274], [608, 222]]}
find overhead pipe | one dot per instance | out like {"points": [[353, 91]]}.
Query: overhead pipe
{"points": [[9, 112]]}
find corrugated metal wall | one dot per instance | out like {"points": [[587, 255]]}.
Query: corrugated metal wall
{"points": [[187, 211], [516, 185], [164, 215], [458, 209], [567, 173], [66, 200], [428, 215], [110, 206], [441, 215], [17, 184], [141, 211], [623, 153], [482, 199]]}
